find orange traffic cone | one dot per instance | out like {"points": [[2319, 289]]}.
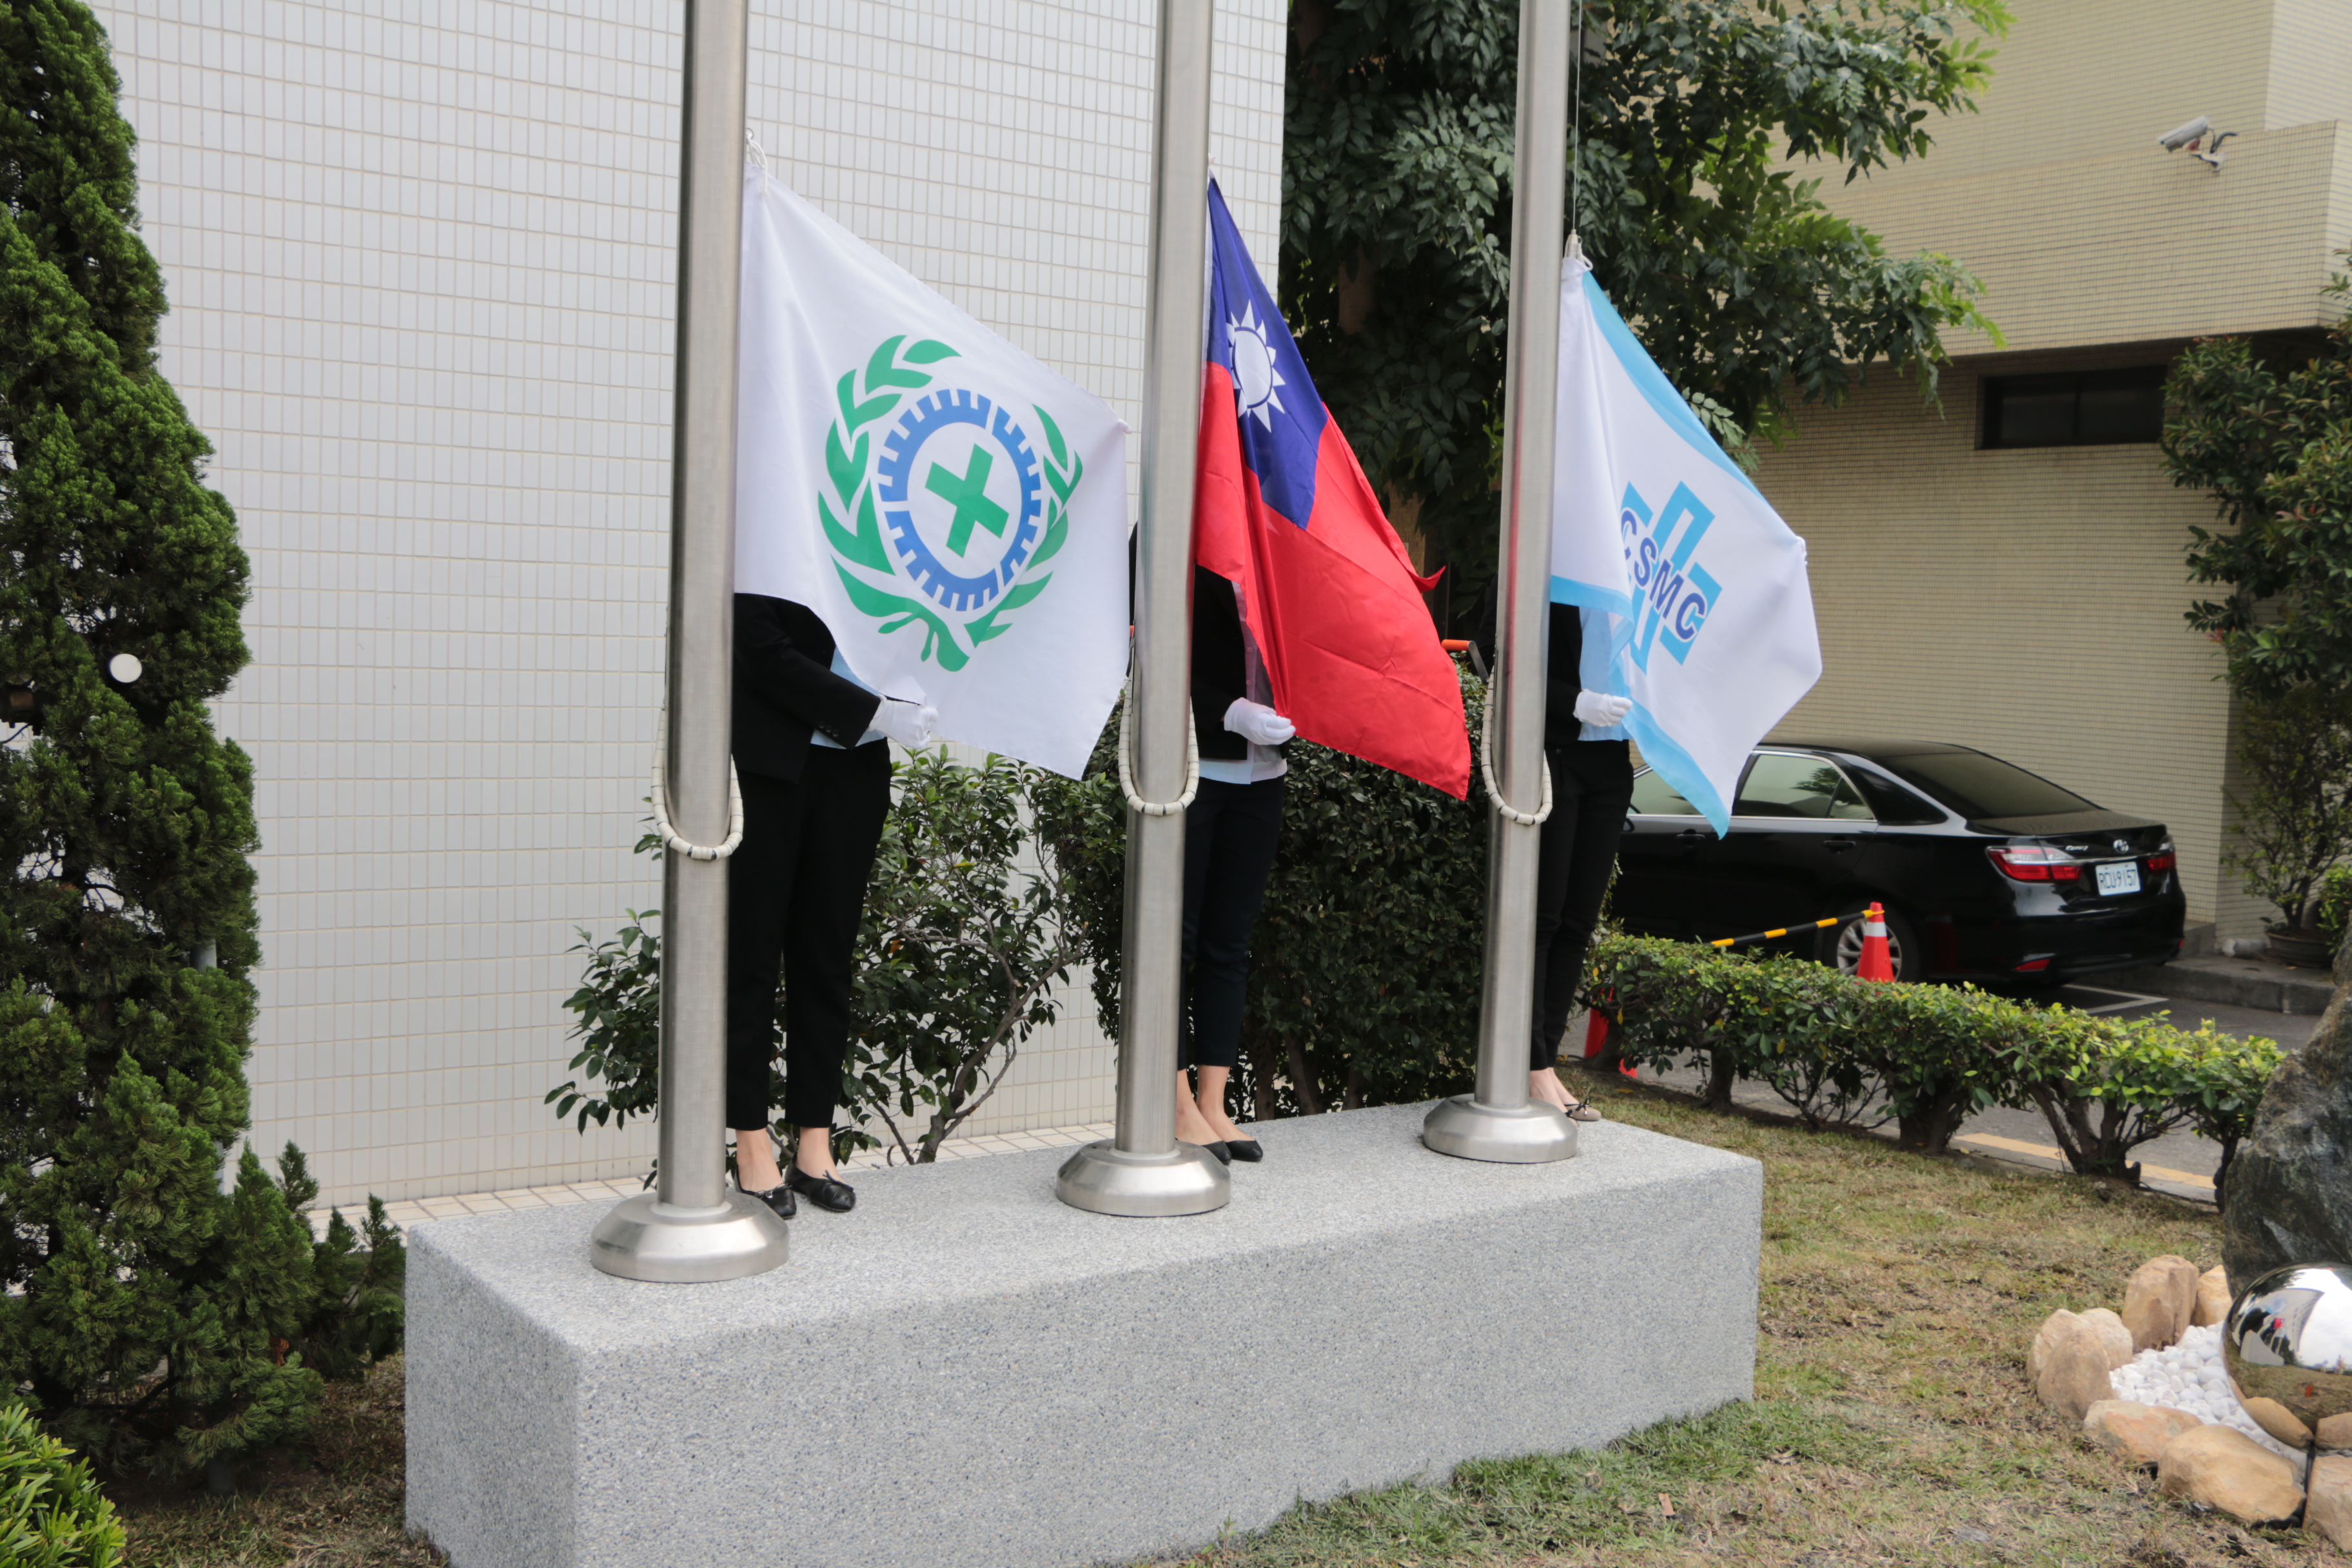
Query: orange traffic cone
{"points": [[1596, 1041], [1875, 964]]}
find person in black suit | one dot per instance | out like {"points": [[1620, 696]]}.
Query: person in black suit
{"points": [[815, 773], [1591, 789], [1229, 833]]}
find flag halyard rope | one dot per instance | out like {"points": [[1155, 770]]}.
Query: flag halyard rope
{"points": [[1487, 769], [1135, 802], [670, 836]]}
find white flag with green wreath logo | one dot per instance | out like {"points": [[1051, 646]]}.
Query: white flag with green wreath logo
{"points": [[954, 511]]}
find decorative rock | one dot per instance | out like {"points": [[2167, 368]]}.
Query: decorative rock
{"points": [[2141, 1431], [2058, 1327], [2074, 1374], [2330, 1509], [2336, 1432], [2159, 1301], [2278, 1421], [2212, 1297], [2231, 1471], [2113, 1334], [2290, 1187]]}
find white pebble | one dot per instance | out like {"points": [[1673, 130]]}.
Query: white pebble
{"points": [[2191, 1376]]}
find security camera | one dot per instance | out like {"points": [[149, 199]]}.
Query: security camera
{"points": [[2187, 135]]}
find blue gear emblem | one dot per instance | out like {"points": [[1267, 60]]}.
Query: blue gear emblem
{"points": [[957, 501]]}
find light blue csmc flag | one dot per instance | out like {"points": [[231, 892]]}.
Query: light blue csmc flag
{"points": [[1658, 534]]}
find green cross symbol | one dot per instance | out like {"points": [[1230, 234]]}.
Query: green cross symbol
{"points": [[969, 495]]}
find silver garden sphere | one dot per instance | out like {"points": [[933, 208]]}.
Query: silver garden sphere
{"points": [[2288, 1343]]}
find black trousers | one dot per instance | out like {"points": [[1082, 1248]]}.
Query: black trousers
{"points": [[795, 890], [1229, 833], [1592, 786]]}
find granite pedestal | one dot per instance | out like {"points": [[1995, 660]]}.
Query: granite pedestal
{"points": [[966, 1371]]}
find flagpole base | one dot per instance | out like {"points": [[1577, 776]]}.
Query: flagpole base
{"points": [[1529, 1134], [645, 1238], [1103, 1178]]}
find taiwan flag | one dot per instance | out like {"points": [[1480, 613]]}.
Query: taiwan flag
{"points": [[1285, 513]]}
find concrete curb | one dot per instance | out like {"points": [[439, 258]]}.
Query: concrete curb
{"points": [[2235, 982]]}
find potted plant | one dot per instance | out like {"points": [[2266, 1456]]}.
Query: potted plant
{"points": [[2294, 818], [2333, 906]]}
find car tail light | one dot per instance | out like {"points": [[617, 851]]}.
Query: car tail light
{"points": [[2164, 858], [2035, 863], [2033, 965]]}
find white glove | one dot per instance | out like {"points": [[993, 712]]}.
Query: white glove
{"points": [[1257, 723], [1601, 710], [905, 723]]}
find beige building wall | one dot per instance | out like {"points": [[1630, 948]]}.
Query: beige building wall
{"points": [[2310, 63], [2027, 603], [2083, 230], [2127, 247]]}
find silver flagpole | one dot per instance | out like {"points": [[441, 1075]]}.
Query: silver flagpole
{"points": [[1499, 1123], [1143, 1171], [692, 1227]]}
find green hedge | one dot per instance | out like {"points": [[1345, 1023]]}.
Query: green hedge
{"points": [[1931, 1055], [51, 1513], [1365, 962], [959, 950]]}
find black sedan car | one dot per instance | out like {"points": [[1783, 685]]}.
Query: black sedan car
{"points": [[1987, 872]]}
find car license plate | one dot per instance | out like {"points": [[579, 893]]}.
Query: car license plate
{"points": [[2117, 877]]}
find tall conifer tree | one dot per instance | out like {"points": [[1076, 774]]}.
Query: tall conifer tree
{"points": [[154, 1317]]}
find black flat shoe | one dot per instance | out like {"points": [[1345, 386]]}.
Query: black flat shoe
{"points": [[779, 1198], [1224, 1156], [827, 1193], [1249, 1150]]}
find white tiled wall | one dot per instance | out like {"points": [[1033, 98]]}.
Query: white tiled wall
{"points": [[420, 255]]}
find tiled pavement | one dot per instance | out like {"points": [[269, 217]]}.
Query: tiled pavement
{"points": [[411, 1211]]}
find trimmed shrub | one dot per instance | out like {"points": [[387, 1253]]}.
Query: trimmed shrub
{"points": [[145, 1314], [52, 1514], [1365, 963], [1827, 1044], [2219, 1081], [1830, 1046], [961, 944]]}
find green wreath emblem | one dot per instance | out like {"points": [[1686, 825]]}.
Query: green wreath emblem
{"points": [[854, 523]]}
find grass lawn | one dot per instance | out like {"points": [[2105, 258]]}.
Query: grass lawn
{"points": [[1893, 1422], [335, 1505]]}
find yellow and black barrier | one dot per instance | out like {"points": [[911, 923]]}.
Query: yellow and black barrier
{"points": [[1784, 931]]}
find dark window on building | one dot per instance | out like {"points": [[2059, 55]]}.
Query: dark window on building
{"points": [[2085, 408]]}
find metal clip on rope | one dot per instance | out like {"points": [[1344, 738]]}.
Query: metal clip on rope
{"points": [[1487, 769], [669, 834], [1127, 764]]}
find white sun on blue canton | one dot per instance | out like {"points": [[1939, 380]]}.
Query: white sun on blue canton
{"points": [[1256, 381]]}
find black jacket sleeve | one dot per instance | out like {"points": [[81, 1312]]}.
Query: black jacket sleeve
{"points": [[1219, 674], [1563, 678], [785, 690]]}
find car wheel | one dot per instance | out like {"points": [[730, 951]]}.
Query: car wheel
{"points": [[1840, 946]]}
